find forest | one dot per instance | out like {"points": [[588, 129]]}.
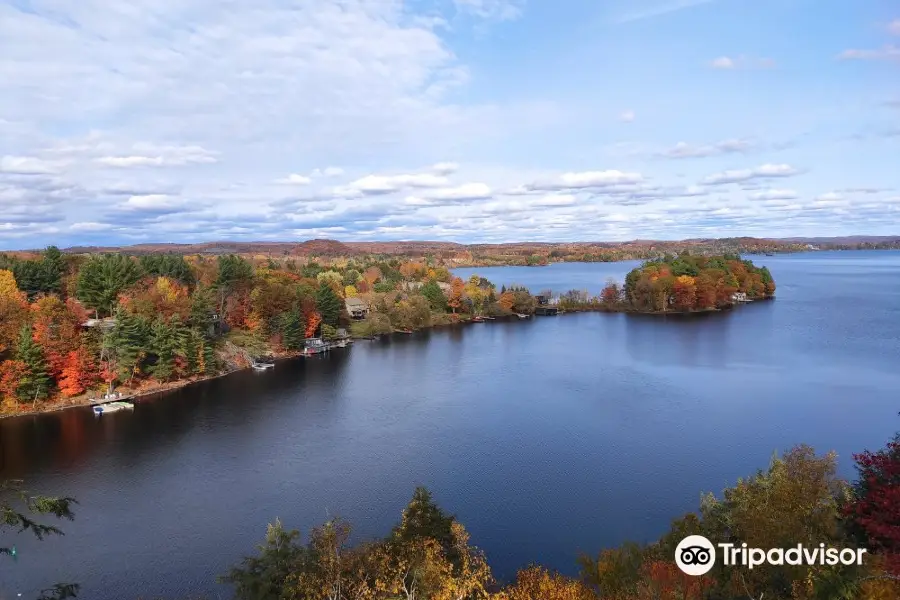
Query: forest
{"points": [[428, 554], [74, 324]]}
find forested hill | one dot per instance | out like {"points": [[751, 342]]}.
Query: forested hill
{"points": [[454, 254]]}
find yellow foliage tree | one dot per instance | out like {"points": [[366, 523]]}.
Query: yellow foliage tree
{"points": [[350, 291], [13, 310], [539, 583]]}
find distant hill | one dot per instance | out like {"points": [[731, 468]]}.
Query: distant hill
{"points": [[513, 253]]}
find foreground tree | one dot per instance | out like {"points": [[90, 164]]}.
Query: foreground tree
{"points": [[262, 577], [18, 509], [537, 583], [875, 506]]}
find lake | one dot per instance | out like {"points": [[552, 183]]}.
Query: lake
{"points": [[546, 437]]}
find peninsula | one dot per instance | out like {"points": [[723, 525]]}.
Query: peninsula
{"points": [[76, 325]]}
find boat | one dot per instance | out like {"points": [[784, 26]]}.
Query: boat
{"points": [[478, 319], [111, 407], [521, 316], [262, 366]]}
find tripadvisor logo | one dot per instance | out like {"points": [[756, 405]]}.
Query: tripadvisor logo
{"points": [[696, 555]]}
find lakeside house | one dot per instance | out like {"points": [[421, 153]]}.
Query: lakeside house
{"points": [[739, 297], [103, 324], [357, 308]]}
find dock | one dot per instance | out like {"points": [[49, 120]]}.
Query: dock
{"points": [[547, 311]]}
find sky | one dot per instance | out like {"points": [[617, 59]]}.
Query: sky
{"points": [[457, 120]]}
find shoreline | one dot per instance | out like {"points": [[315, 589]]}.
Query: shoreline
{"points": [[171, 386], [282, 357]]}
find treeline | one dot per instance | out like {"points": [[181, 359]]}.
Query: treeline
{"points": [[797, 500], [70, 324]]}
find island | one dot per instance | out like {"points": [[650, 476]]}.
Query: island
{"points": [[79, 328]]}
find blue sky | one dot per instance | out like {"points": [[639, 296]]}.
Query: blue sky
{"points": [[462, 120]]}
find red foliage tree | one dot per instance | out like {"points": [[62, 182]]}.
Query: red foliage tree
{"points": [[875, 509], [56, 329], [79, 374], [663, 580], [11, 372]]}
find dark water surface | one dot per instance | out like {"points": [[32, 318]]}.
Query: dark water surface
{"points": [[546, 437]]}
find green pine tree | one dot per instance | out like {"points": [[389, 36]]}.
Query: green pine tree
{"points": [[329, 305], [292, 330], [435, 296], [103, 278], [128, 342], [164, 342], [35, 383]]}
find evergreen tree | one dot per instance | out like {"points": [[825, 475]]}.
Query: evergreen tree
{"points": [[103, 278], [128, 342], [292, 329], [35, 383], [435, 296], [203, 306], [329, 305], [172, 266], [233, 271], [263, 577], [164, 342]]}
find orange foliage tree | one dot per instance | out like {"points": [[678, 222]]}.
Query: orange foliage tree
{"points": [[506, 301], [79, 374], [313, 320], [457, 293]]}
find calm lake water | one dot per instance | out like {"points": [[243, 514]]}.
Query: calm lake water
{"points": [[546, 437]]}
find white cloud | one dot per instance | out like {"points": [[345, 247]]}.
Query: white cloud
{"points": [[829, 197], [586, 180], [774, 194], [555, 200], [627, 116], [89, 226], [25, 165], [445, 168], [741, 62], [160, 156], [761, 172], [888, 52], [686, 150], [723, 62], [385, 184], [151, 202], [894, 27], [500, 10], [660, 9], [294, 179], [466, 191]]}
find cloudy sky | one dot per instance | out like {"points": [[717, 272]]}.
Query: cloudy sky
{"points": [[463, 120]]}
